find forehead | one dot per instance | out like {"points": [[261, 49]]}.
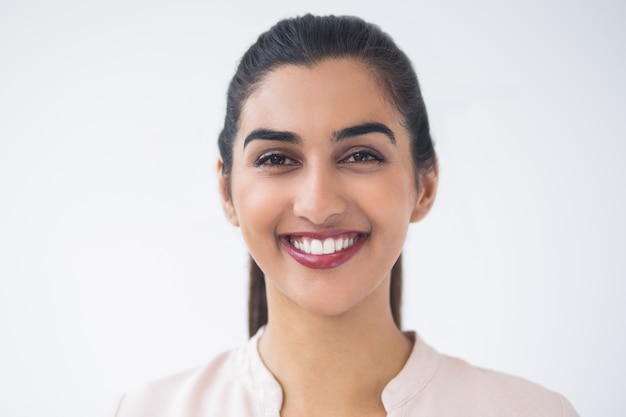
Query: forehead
{"points": [[330, 95]]}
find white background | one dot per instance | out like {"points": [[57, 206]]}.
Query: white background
{"points": [[117, 265]]}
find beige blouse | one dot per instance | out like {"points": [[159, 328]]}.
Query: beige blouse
{"points": [[237, 383]]}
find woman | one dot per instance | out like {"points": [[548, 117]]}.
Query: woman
{"points": [[326, 158]]}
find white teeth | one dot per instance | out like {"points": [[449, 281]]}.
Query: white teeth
{"points": [[325, 247], [316, 247], [329, 246]]}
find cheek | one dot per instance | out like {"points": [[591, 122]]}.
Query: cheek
{"points": [[394, 195], [258, 205]]}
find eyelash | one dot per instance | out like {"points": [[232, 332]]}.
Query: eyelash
{"points": [[370, 156], [275, 159]]}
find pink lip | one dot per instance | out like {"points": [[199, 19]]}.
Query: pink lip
{"points": [[327, 261]]}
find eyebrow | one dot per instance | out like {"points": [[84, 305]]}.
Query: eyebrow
{"points": [[348, 132], [267, 134], [364, 129]]}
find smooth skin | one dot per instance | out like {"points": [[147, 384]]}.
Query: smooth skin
{"points": [[303, 164]]}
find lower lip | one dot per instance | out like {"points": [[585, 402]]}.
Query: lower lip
{"points": [[331, 260]]}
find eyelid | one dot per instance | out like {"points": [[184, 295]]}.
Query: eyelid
{"points": [[261, 160], [378, 156], [256, 149]]}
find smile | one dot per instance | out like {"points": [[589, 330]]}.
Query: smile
{"points": [[323, 252], [323, 247]]}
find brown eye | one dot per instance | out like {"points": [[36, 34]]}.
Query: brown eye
{"points": [[274, 159], [363, 156]]}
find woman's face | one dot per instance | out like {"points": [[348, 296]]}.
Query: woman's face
{"points": [[322, 185]]}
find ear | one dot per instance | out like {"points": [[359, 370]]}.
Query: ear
{"points": [[227, 201], [426, 194]]}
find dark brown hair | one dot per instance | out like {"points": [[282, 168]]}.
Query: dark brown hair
{"points": [[305, 41]]}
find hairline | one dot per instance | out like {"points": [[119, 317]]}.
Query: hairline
{"points": [[386, 95], [384, 89]]}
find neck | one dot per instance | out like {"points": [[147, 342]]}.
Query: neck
{"points": [[325, 364]]}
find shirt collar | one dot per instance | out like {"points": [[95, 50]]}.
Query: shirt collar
{"points": [[417, 372], [258, 378]]}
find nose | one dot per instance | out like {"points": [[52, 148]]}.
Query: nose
{"points": [[319, 196]]}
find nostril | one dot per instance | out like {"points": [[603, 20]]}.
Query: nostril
{"points": [[319, 196], [319, 206]]}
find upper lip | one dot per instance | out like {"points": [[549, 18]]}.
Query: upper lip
{"points": [[323, 235]]}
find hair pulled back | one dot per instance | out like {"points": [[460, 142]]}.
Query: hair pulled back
{"points": [[306, 41]]}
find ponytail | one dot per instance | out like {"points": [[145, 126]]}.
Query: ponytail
{"points": [[395, 292], [257, 301]]}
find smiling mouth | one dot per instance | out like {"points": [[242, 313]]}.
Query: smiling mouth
{"points": [[326, 246]]}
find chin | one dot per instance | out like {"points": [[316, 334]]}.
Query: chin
{"points": [[333, 303], [328, 310]]}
